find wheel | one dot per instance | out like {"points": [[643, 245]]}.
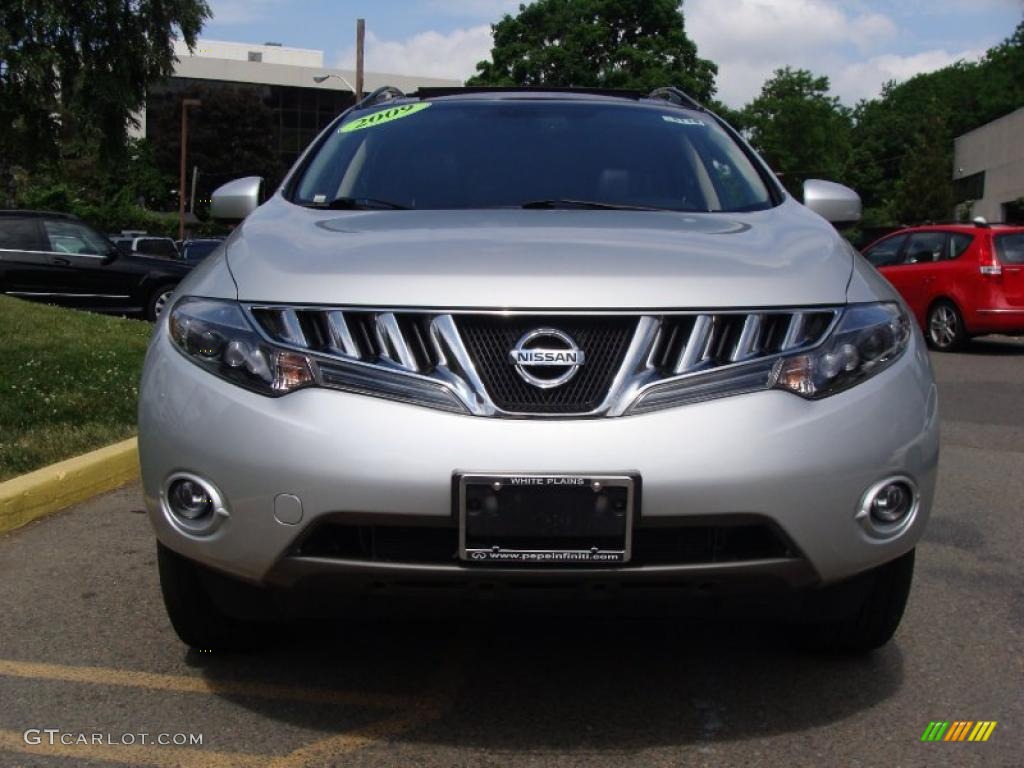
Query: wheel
{"points": [[158, 301], [879, 597], [945, 331], [196, 618]]}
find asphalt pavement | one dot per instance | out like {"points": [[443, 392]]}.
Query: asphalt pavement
{"points": [[86, 651]]}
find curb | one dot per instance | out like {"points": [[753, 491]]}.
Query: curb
{"points": [[37, 494]]}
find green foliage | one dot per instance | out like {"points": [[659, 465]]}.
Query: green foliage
{"points": [[232, 134], [632, 44], [76, 70], [887, 138], [68, 382], [800, 129]]}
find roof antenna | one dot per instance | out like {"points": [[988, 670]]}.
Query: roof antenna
{"points": [[980, 221]]}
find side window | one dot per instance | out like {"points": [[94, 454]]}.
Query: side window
{"points": [[885, 253], [72, 237], [925, 247], [19, 234], [1010, 248], [958, 243]]}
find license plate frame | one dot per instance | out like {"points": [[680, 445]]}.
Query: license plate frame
{"points": [[607, 540]]}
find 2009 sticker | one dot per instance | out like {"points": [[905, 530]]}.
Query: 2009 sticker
{"points": [[384, 116], [682, 120]]}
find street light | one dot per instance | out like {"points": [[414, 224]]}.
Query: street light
{"points": [[324, 78], [185, 104]]}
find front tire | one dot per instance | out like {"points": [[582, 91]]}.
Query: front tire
{"points": [[196, 618], [159, 299], [874, 615], [945, 327]]}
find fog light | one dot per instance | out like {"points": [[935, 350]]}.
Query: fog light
{"points": [[889, 507], [892, 503], [189, 499]]}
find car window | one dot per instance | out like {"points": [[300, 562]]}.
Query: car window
{"points": [[466, 155], [198, 251], [72, 237], [925, 247], [157, 246], [885, 253], [19, 234], [958, 243], [1010, 248]]}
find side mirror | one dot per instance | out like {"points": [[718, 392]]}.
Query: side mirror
{"points": [[237, 199], [833, 202]]}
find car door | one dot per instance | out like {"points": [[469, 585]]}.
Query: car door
{"points": [[1010, 252], [85, 265], [24, 261], [915, 275]]}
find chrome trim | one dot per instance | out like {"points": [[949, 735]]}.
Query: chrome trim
{"points": [[1000, 311], [62, 254], [392, 342], [455, 371], [293, 332], [342, 342]]}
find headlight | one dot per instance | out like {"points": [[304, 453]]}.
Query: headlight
{"points": [[217, 336], [867, 339]]}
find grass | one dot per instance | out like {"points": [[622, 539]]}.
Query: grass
{"points": [[69, 382]]}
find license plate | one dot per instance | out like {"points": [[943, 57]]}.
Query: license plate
{"points": [[537, 519]]}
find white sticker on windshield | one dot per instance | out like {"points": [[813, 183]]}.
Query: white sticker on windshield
{"points": [[682, 120]]}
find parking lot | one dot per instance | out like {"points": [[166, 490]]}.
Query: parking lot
{"points": [[86, 648]]}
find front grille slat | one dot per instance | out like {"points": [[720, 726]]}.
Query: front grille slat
{"points": [[463, 359]]}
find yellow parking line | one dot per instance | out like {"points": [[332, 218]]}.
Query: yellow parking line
{"points": [[134, 754], [188, 684]]}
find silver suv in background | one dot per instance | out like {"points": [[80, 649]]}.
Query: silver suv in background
{"points": [[538, 337]]}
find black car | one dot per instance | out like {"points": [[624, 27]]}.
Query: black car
{"points": [[59, 259]]}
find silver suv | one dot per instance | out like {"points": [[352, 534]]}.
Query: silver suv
{"points": [[536, 336]]}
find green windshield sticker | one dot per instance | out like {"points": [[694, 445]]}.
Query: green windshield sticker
{"points": [[682, 120], [384, 116]]}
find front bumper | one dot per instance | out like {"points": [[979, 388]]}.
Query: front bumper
{"points": [[801, 466]]}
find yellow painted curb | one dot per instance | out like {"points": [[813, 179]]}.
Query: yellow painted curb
{"points": [[37, 494]]}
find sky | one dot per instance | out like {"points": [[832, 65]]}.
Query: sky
{"points": [[859, 44]]}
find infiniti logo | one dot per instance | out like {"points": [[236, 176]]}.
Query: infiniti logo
{"points": [[546, 357]]}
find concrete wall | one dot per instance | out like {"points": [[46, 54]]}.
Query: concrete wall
{"points": [[996, 148]]}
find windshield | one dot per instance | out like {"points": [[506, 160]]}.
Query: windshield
{"points": [[489, 154]]}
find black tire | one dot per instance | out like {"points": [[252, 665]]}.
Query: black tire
{"points": [[197, 619], [158, 300], [944, 327], [881, 597]]}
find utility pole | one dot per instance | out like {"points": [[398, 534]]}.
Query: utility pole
{"points": [[185, 104], [360, 40], [192, 197]]}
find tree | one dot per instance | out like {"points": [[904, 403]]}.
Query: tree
{"points": [[232, 134], [924, 191], [801, 130], [78, 67], [631, 44]]}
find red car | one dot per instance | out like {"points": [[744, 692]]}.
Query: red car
{"points": [[960, 280]]}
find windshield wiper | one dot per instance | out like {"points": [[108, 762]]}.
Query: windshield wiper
{"points": [[584, 205], [362, 204]]}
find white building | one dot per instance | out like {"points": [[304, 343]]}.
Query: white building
{"points": [[988, 169]]}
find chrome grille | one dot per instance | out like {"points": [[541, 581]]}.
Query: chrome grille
{"points": [[459, 361]]}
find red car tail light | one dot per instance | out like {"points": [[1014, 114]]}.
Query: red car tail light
{"points": [[989, 264]]}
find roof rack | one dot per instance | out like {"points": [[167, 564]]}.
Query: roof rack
{"points": [[383, 94], [436, 92], [676, 96]]}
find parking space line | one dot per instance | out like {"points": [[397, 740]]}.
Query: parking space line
{"points": [[142, 755], [188, 684]]}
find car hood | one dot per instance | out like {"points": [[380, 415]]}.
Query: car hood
{"points": [[537, 259]]}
